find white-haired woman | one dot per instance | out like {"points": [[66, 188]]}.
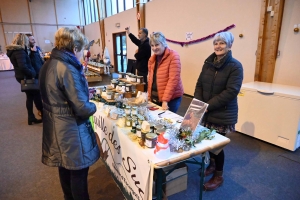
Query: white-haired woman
{"points": [[218, 85], [69, 142], [164, 82]]}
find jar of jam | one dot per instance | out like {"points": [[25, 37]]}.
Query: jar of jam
{"points": [[138, 131], [122, 75], [139, 79], [109, 95], [151, 140], [128, 88], [144, 133], [133, 78], [128, 121], [114, 83], [128, 110], [134, 110]]}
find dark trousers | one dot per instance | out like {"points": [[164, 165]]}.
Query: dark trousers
{"points": [[33, 97], [74, 183], [219, 159], [145, 75]]}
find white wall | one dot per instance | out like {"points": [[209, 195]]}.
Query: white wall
{"points": [[287, 68], [176, 17], [43, 13], [126, 18]]}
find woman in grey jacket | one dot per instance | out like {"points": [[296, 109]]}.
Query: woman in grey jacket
{"points": [[218, 85], [69, 142]]}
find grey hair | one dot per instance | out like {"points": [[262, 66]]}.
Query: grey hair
{"points": [[227, 37], [158, 37]]}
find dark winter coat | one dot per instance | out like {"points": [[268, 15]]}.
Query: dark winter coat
{"points": [[68, 139], [143, 54], [218, 85], [36, 60], [19, 58]]}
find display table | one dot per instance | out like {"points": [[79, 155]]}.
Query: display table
{"points": [[133, 166], [5, 64]]}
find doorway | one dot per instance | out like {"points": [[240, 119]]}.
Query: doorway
{"points": [[120, 52]]}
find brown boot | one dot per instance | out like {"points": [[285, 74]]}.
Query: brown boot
{"points": [[211, 168], [215, 181]]}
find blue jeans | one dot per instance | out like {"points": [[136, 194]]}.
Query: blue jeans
{"points": [[174, 104]]}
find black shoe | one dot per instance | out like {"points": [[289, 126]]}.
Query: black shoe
{"points": [[34, 121]]}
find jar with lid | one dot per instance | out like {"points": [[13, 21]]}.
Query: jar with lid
{"points": [[138, 131], [114, 83], [128, 110], [121, 121], [134, 110], [128, 88], [140, 120], [151, 140], [133, 78], [122, 86], [133, 125], [109, 95], [160, 131], [128, 121], [143, 134], [122, 75], [139, 79]]}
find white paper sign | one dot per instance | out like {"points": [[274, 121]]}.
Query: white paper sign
{"points": [[47, 42], [189, 36]]}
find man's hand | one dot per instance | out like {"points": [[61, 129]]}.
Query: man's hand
{"points": [[165, 105], [33, 48], [127, 30]]}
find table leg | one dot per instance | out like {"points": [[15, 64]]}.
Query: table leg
{"points": [[202, 176], [159, 184]]}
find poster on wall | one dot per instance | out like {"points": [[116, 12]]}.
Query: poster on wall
{"points": [[122, 158]]}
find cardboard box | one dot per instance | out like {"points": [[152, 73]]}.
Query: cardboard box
{"points": [[179, 184]]}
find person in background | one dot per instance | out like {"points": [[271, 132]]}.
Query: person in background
{"points": [[69, 142], [164, 84], [36, 58], [18, 55], [218, 85], [143, 53]]}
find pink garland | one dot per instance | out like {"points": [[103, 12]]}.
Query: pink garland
{"points": [[201, 39]]}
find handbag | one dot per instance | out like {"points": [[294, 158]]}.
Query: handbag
{"points": [[29, 84]]}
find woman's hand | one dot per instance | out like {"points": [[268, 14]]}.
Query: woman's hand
{"points": [[165, 105]]}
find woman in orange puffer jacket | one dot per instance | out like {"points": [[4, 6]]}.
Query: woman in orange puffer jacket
{"points": [[164, 82]]}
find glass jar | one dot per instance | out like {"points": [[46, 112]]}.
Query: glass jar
{"points": [[139, 79], [109, 95], [128, 110], [150, 141], [114, 83], [134, 110], [122, 75], [122, 86], [143, 134], [133, 78], [138, 131], [128, 88], [128, 121]]}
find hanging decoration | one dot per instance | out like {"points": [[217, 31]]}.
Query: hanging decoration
{"points": [[201, 39]]}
